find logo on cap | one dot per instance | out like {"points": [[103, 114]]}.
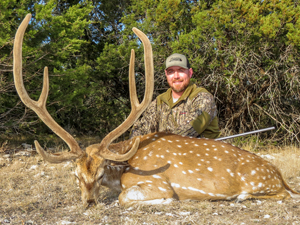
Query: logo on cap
{"points": [[175, 59]]}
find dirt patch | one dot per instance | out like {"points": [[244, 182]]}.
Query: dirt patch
{"points": [[36, 192]]}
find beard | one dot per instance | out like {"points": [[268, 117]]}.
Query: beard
{"points": [[178, 87]]}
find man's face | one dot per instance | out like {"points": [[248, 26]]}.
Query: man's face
{"points": [[178, 78]]}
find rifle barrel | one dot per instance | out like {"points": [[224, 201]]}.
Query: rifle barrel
{"points": [[246, 133]]}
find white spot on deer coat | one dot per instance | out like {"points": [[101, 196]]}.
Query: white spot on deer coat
{"points": [[175, 185], [162, 189], [179, 146], [191, 171], [156, 176], [253, 172], [195, 189], [210, 169]]}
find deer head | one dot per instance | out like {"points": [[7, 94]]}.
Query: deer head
{"points": [[90, 163]]}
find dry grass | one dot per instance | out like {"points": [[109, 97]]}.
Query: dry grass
{"points": [[35, 192]]}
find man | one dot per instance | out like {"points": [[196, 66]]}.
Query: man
{"points": [[183, 109]]}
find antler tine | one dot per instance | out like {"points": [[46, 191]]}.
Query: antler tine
{"points": [[136, 108], [39, 107]]}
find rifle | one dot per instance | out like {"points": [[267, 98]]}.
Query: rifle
{"points": [[246, 133]]}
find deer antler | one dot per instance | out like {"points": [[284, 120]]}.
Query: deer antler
{"points": [[39, 107], [136, 108]]}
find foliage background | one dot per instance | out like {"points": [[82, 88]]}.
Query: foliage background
{"points": [[244, 52]]}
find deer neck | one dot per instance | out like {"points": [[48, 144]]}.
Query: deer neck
{"points": [[112, 174]]}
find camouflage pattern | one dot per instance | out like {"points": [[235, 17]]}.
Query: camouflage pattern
{"points": [[178, 117]]}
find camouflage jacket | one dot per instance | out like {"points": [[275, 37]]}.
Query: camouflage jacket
{"points": [[193, 114]]}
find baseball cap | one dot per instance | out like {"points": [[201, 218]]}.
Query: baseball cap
{"points": [[177, 60]]}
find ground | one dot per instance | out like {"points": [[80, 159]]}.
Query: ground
{"points": [[36, 192]]}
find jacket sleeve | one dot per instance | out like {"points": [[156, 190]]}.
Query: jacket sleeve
{"points": [[207, 111], [147, 123]]}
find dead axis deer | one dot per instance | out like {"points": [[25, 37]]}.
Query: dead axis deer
{"points": [[161, 166]]}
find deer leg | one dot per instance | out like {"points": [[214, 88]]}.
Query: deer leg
{"points": [[264, 194], [279, 196], [147, 194]]}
